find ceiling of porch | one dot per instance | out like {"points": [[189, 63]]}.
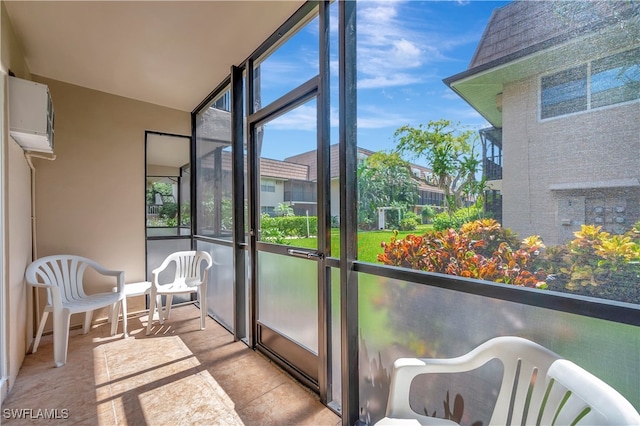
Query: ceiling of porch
{"points": [[169, 53]]}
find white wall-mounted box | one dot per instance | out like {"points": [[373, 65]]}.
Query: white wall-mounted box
{"points": [[31, 115]]}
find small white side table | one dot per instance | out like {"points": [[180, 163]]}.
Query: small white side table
{"points": [[134, 289], [137, 289]]}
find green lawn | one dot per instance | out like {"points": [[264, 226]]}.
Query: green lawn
{"points": [[370, 289], [368, 242]]}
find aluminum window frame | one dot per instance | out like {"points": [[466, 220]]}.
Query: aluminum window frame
{"points": [[348, 264]]}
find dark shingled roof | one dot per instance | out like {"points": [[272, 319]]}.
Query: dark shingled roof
{"points": [[283, 169], [304, 167], [525, 24], [309, 158], [268, 167]]}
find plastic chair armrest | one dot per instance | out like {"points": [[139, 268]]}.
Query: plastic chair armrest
{"points": [[120, 280], [111, 273], [54, 291], [154, 278], [406, 369], [41, 285]]}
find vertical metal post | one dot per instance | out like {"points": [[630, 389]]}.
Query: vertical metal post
{"points": [[254, 210], [324, 210], [348, 211], [237, 183], [195, 169], [179, 202], [485, 167], [217, 192]]}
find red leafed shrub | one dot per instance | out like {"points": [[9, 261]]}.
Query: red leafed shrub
{"points": [[482, 249]]}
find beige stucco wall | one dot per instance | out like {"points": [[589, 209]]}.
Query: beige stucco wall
{"points": [[595, 146], [16, 206], [18, 235], [91, 199]]}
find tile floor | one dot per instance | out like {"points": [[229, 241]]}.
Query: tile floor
{"points": [[177, 375]]}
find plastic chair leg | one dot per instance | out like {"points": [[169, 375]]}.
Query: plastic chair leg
{"points": [[125, 329], [114, 314], [167, 309], [203, 305], [152, 309], [60, 336], [160, 309], [87, 322], [43, 321]]}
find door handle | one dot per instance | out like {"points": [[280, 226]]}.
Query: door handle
{"points": [[304, 253]]}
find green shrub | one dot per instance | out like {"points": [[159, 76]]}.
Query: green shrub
{"points": [[634, 233], [596, 263], [272, 235], [291, 226], [428, 213], [460, 253], [168, 210], [365, 224], [444, 221], [410, 215], [392, 219], [408, 224]]}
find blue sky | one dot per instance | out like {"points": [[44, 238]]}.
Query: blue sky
{"points": [[405, 49]]}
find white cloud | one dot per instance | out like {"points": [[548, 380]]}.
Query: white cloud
{"points": [[405, 48], [387, 51], [393, 48], [372, 117], [298, 69], [381, 81], [302, 118]]}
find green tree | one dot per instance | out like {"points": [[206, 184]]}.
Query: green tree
{"points": [[384, 180], [168, 210], [450, 153], [283, 209], [162, 188]]}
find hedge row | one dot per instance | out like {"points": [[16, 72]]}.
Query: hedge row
{"points": [[291, 226]]}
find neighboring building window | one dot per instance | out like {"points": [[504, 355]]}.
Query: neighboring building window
{"points": [[267, 187], [615, 79], [223, 103], [270, 210], [431, 198], [564, 92], [612, 80], [361, 158]]}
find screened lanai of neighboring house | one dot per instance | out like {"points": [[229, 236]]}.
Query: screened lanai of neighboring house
{"points": [[479, 122]]}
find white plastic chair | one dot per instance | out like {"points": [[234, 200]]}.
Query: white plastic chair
{"points": [[561, 392], [63, 277], [190, 277]]}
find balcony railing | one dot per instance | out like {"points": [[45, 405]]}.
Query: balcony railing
{"points": [[492, 170]]}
